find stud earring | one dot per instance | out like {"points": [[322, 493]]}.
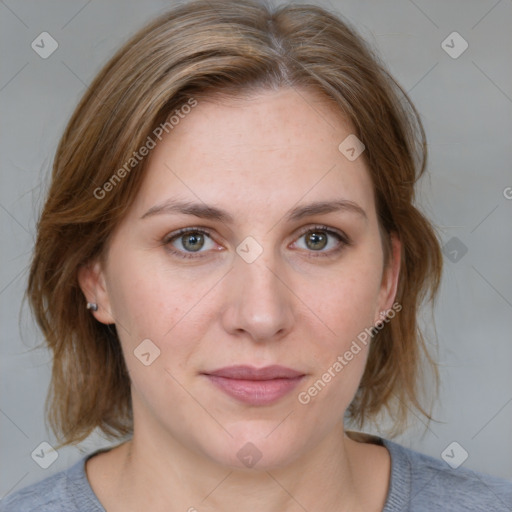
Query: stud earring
{"points": [[92, 306]]}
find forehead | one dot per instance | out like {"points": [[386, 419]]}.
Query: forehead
{"points": [[271, 147]]}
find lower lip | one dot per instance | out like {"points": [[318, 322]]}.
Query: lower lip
{"points": [[255, 392]]}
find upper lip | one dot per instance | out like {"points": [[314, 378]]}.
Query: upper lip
{"points": [[243, 372]]}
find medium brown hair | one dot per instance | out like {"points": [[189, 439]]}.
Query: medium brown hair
{"points": [[197, 49]]}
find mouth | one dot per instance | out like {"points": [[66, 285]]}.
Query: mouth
{"points": [[255, 386]]}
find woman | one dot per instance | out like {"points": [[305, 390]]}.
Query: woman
{"points": [[228, 270]]}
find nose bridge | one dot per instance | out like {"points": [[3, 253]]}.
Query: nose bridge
{"points": [[261, 280], [260, 304]]}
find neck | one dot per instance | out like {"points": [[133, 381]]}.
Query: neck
{"points": [[167, 476]]}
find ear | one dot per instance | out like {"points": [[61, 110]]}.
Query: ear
{"points": [[390, 274], [92, 282]]}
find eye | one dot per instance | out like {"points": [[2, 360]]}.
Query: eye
{"points": [[189, 241], [322, 240]]}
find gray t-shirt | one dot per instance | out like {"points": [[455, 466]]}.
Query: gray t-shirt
{"points": [[419, 483]]}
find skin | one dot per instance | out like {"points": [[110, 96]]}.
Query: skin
{"points": [[257, 158]]}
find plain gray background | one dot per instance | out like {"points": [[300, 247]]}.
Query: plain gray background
{"points": [[466, 106]]}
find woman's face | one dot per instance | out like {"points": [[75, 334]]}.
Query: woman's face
{"points": [[253, 242]]}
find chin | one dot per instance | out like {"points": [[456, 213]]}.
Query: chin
{"points": [[256, 447]]}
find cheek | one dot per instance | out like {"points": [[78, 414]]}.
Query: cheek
{"points": [[340, 356], [147, 297], [174, 316], [346, 305], [174, 311], [347, 300]]}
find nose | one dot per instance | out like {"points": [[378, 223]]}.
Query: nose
{"points": [[259, 305]]}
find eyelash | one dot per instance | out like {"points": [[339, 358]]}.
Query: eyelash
{"points": [[343, 239], [177, 234]]}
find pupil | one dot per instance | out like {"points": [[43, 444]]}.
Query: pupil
{"points": [[193, 242], [316, 241]]}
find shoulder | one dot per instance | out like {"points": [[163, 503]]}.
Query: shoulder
{"points": [[66, 491], [422, 483]]}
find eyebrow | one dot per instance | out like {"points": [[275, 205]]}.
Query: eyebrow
{"points": [[205, 211], [201, 210], [324, 207]]}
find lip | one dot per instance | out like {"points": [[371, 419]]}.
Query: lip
{"points": [[255, 386]]}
